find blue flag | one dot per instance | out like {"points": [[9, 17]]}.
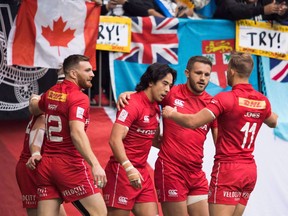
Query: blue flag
{"points": [[174, 41], [275, 85]]}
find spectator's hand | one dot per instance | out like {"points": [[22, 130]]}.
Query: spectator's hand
{"points": [[153, 12], [167, 111], [33, 161], [123, 100], [183, 11], [97, 2], [272, 8], [99, 176], [110, 5], [120, 2], [282, 8]]}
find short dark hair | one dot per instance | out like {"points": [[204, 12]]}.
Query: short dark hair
{"points": [[73, 60], [153, 73], [195, 59]]}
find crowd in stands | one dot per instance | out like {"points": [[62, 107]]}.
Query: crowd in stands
{"points": [[258, 10]]}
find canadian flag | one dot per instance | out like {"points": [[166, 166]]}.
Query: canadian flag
{"points": [[45, 32]]}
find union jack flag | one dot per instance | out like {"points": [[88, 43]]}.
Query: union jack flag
{"points": [[279, 70], [153, 40]]}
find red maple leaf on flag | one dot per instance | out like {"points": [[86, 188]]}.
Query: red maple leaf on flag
{"points": [[57, 36]]}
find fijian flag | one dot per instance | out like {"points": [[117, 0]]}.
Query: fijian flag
{"points": [[174, 41]]}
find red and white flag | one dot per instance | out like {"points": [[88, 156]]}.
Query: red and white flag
{"points": [[45, 32]]}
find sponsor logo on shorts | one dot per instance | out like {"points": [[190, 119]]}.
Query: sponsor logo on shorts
{"points": [[29, 199], [236, 194], [42, 192], [232, 194], [173, 193], [246, 195], [179, 103], [78, 191], [123, 200]]}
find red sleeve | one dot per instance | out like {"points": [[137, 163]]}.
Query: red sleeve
{"points": [[78, 107], [222, 101], [127, 115]]}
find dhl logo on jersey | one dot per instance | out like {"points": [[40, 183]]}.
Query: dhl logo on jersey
{"points": [[56, 96], [254, 104]]}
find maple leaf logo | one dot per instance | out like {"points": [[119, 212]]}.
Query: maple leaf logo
{"points": [[57, 36]]}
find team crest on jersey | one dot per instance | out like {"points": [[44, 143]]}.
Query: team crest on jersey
{"points": [[179, 103], [56, 96], [123, 115], [146, 119]]}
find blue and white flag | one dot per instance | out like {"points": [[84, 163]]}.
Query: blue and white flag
{"points": [[275, 85], [174, 41]]}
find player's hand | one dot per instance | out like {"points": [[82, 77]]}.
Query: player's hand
{"points": [[133, 174], [123, 100], [167, 111], [33, 161], [135, 178], [99, 176]]}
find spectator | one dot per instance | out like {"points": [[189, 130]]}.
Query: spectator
{"points": [[251, 9], [180, 8]]}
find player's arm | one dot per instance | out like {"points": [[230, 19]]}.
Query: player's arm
{"points": [[36, 138], [33, 105], [271, 121], [214, 131], [117, 135], [82, 144], [157, 140], [192, 121]]}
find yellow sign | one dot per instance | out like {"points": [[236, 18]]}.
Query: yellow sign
{"points": [[114, 34], [262, 38]]}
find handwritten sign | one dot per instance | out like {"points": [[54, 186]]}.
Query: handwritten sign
{"points": [[262, 38], [114, 34]]}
